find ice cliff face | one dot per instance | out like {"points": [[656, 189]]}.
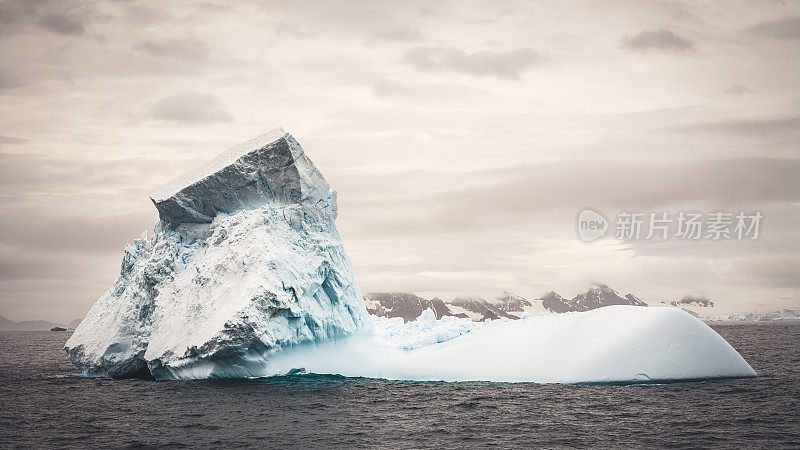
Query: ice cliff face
{"points": [[244, 261]]}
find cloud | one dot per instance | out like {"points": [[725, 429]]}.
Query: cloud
{"points": [[186, 48], [779, 271], [508, 64], [26, 175], [785, 28], [661, 40], [396, 35], [13, 14], [191, 108], [374, 118], [428, 12], [528, 195], [11, 140], [284, 29], [10, 79], [62, 17], [421, 92], [62, 24], [75, 232], [63, 218], [738, 90], [769, 127]]}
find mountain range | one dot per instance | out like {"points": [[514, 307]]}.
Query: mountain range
{"points": [[692, 300], [34, 325], [409, 306], [597, 296], [508, 305], [406, 305]]}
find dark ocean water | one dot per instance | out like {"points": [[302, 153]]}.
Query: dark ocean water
{"points": [[43, 404]]}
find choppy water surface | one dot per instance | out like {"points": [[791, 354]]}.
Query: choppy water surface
{"points": [[43, 404]]}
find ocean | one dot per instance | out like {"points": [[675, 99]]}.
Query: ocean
{"points": [[45, 404]]}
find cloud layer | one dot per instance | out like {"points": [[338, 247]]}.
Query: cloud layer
{"points": [[463, 138], [191, 108], [661, 40], [502, 64], [783, 28]]}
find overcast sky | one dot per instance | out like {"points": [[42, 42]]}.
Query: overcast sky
{"points": [[463, 137]]}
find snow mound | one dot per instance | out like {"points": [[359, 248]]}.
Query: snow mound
{"points": [[245, 259], [615, 344]]}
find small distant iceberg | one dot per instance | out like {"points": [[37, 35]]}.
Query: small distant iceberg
{"points": [[245, 276]]}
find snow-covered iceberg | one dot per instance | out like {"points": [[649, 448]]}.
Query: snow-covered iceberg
{"points": [[615, 344], [245, 259], [245, 276]]}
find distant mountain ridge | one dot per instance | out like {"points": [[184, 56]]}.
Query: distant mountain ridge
{"points": [[34, 325], [598, 296], [510, 302], [692, 300], [506, 306], [405, 305], [409, 306], [487, 310]]}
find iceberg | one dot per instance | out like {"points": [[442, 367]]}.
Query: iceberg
{"points": [[245, 275], [245, 259], [614, 344]]}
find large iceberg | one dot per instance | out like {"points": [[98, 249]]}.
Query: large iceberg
{"points": [[245, 259], [614, 344], [245, 276]]}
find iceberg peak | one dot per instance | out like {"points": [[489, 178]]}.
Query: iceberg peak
{"points": [[245, 260], [270, 169]]}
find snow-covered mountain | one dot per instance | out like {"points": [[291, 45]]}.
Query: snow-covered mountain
{"points": [[598, 296], [553, 302], [692, 301], [244, 260], [512, 303], [506, 306], [482, 309], [410, 306], [406, 305]]}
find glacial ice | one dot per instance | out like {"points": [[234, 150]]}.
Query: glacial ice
{"points": [[245, 259], [615, 344], [245, 276]]}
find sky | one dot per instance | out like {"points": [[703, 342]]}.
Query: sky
{"points": [[463, 137]]}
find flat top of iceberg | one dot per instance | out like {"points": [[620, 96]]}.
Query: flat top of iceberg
{"points": [[222, 160]]}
